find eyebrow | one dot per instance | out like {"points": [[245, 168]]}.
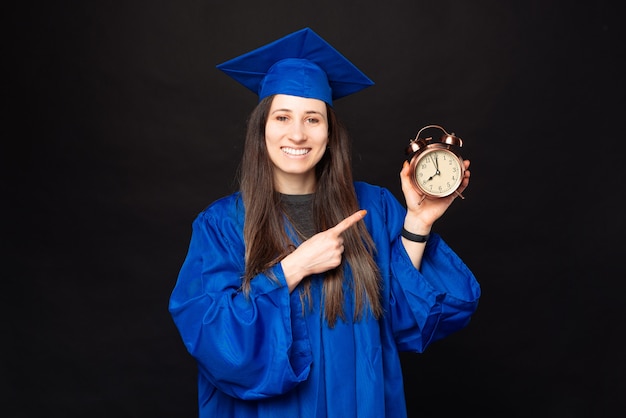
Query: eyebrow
{"points": [[308, 112]]}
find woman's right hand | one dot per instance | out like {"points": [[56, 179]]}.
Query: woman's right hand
{"points": [[318, 254]]}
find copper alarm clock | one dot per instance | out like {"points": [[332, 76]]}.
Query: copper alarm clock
{"points": [[436, 166]]}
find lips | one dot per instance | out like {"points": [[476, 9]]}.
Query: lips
{"points": [[295, 151]]}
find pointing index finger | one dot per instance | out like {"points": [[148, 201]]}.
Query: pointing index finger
{"points": [[349, 221]]}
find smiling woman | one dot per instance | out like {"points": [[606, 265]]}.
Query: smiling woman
{"points": [[296, 135], [292, 301]]}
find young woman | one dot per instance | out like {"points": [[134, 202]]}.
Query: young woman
{"points": [[299, 291]]}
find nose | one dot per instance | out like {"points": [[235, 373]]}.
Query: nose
{"points": [[297, 132]]}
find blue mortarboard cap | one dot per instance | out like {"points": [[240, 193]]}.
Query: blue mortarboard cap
{"points": [[299, 64]]}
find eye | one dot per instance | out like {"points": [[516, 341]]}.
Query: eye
{"points": [[312, 120], [282, 118]]}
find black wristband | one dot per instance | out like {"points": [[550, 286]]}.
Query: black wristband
{"points": [[414, 237]]}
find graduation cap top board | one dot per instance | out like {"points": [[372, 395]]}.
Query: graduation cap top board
{"points": [[299, 64]]}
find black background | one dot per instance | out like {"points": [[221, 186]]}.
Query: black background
{"points": [[119, 130]]}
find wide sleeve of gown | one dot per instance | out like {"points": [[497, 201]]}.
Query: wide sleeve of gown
{"points": [[426, 304], [250, 347]]}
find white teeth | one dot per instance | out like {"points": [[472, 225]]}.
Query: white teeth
{"points": [[293, 151]]}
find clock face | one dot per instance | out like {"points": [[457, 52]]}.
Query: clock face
{"points": [[438, 172]]}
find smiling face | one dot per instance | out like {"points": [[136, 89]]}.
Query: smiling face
{"points": [[296, 135]]}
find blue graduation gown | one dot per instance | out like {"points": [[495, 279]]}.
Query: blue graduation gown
{"points": [[267, 357]]}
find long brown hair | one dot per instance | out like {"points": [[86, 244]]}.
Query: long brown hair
{"points": [[265, 235]]}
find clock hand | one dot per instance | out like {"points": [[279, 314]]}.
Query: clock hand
{"points": [[434, 160], [431, 177], [436, 166]]}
